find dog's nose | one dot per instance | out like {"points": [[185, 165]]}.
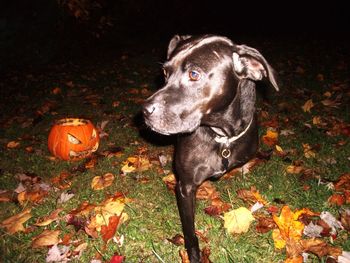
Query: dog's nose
{"points": [[148, 109]]}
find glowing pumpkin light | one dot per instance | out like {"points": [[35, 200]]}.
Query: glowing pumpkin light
{"points": [[73, 139]]}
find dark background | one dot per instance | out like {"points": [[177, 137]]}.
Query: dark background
{"points": [[35, 33]]}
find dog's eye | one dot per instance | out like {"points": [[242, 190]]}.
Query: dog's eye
{"points": [[194, 75]]}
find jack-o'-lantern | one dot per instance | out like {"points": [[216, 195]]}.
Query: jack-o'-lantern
{"points": [[73, 139]]}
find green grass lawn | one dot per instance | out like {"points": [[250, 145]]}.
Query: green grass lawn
{"points": [[113, 91]]}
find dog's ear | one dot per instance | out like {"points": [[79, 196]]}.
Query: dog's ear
{"points": [[249, 63], [174, 42]]}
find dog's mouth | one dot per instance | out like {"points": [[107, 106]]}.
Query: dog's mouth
{"points": [[171, 126]]}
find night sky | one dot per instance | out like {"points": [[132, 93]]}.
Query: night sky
{"points": [[38, 32]]}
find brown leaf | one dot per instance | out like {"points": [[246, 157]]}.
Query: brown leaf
{"points": [[46, 220], [343, 182], [207, 191], [62, 181], [251, 196], [6, 196], [33, 197], [14, 223], [170, 182], [205, 255], [265, 224], [177, 240], [46, 238], [101, 182], [308, 106], [345, 219], [217, 207], [108, 231], [320, 248]]}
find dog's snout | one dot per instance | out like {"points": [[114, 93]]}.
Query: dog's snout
{"points": [[148, 109]]}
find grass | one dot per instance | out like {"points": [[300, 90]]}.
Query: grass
{"points": [[153, 216]]}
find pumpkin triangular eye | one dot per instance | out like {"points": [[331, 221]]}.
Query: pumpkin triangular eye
{"points": [[72, 139], [94, 134]]}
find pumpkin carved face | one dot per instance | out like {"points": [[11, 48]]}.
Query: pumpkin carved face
{"points": [[73, 139]]}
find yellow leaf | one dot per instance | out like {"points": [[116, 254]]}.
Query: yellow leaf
{"points": [[14, 223], [278, 240], [308, 105], [136, 164], [101, 182], [238, 220], [46, 238], [279, 148], [308, 152]]}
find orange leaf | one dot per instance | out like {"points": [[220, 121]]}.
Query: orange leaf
{"points": [[109, 230], [34, 197], [14, 223], [13, 144], [343, 182], [308, 105], [270, 138], [336, 199], [101, 182]]}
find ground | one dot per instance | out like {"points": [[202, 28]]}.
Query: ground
{"points": [[310, 116]]}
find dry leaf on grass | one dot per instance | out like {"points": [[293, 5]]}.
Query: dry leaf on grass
{"points": [[308, 106], [288, 226], [238, 220], [44, 221], [46, 238], [135, 164], [270, 138], [14, 223], [101, 182]]}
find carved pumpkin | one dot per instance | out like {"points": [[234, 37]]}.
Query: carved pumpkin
{"points": [[73, 139]]}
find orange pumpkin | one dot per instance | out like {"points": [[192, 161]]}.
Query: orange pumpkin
{"points": [[73, 139]]}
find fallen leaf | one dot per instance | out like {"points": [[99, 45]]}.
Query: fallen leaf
{"points": [[108, 231], [251, 195], [294, 169], [46, 238], [345, 219], [270, 138], [135, 164], [308, 106], [13, 144], [238, 220], [207, 191], [308, 151], [101, 182], [6, 196], [65, 197], [14, 223], [343, 182], [62, 181], [117, 259], [320, 248], [58, 254], [33, 197], [336, 199], [46, 220], [265, 224], [288, 226], [177, 240]]}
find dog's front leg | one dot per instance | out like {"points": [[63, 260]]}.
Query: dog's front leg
{"points": [[185, 195]]}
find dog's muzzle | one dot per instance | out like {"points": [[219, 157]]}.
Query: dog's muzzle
{"points": [[167, 120]]}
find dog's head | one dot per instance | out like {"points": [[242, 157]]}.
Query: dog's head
{"points": [[201, 77]]}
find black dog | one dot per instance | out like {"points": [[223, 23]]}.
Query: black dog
{"points": [[209, 99]]}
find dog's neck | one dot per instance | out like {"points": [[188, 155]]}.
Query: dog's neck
{"points": [[235, 120]]}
